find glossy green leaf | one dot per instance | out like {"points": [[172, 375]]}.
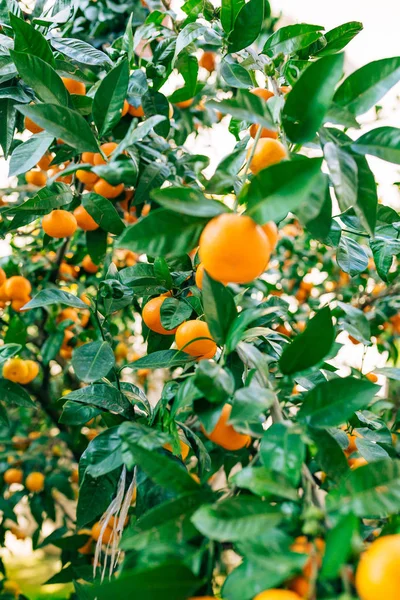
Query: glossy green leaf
{"points": [[383, 142], [80, 51], [163, 359], [54, 296], [339, 546], [337, 38], [247, 25], [14, 395], [8, 115], [188, 201], [42, 78], [343, 173], [384, 250], [351, 256], [219, 308], [235, 75], [173, 312], [27, 154], [30, 40], [265, 482], [102, 396], [291, 39], [103, 212], [109, 98], [283, 451], [229, 12], [246, 106], [93, 361]]}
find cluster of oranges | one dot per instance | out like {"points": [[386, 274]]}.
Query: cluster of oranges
{"points": [[16, 289], [20, 371], [34, 482]]}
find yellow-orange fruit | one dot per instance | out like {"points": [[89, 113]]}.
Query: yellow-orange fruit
{"points": [[59, 224], [88, 157], [45, 162], [86, 176], [107, 149], [151, 315], [234, 249], [184, 449], [268, 152], [74, 86], [199, 276], [207, 61], [37, 178], [265, 132], [33, 372], [378, 574], [35, 482], [187, 339], [271, 231], [13, 476], [274, 594], [96, 532], [15, 369], [84, 219], [125, 108], [31, 126], [184, 103], [136, 111], [89, 265], [17, 288], [107, 190], [225, 435]]}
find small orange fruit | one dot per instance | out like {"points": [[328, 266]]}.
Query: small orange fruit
{"points": [[107, 533], [234, 249], [37, 178], [35, 482], [68, 314], [207, 61], [74, 86], [184, 103], [152, 317], [59, 224], [225, 435], [88, 157], [84, 219], [187, 335], [86, 176], [31, 126], [265, 133], [274, 594], [107, 190], [184, 449], [268, 152], [13, 476], [199, 276], [136, 111], [377, 575], [125, 108], [372, 377], [107, 149], [17, 288], [33, 372], [45, 162], [15, 369], [89, 265]]}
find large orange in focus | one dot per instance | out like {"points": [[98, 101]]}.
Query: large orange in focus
{"points": [[268, 152], [225, 435], [192, 330], [152, 317], [107, 190], [265, 133], [378, 572], [59, 224], [84, 219], [74, 86], [234, 249], [277, 595]]}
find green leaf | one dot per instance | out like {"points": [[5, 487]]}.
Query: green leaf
{"points": [[283, 451], [154, 103], [383, 142], [93, 361], [162, 469], [265, 482], [235, 519], [95, 495], [9, 350], [168, 580], [281, 188], [351, 256], [27, 154], [371, 491], [163, 233], [343, 173], [54, 296], [103, 454], [152, 177], [332, 402], [78, 414], [330, 456], [15, 93], [103, 212], [191, 32], [29, 40], [116, 171], [8, 115], [64, 123], [109, 98], [249, 402], [247, 25], [139, 132], [339, 543], [291, 39], [80, 51], [337, 38], [308, 101], [102, 396], [215, 383], [162, 359], [219, 308], [173, 312], [42, 78], [13, 394], [246, 107], [229, 12], [234, 74], [384, 250], [188, 201], [366, 86], [310, 347]]}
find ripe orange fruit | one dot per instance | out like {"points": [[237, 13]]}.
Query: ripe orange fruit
{"points": [[89, 265], [88, 157], [207, 61], [184, 103], [372, 377], [86, 176], [274, 594], [268, 152], [84, 219], [35, 482], [59, 224], [19, 304], [184, 449], [378, 574], [13, 476], [68, 314], [265, 133], [74, 86], [192, 330], [107, 190], [356, 463], [234, 249], [45, 162], [199, 276], [33, 372], [107, 148], [136, 111], [125, 108], [107, 534], [301, 584], [225, 435], [353, 340], [15, 369], [152, 317], [115, 520], [37, 178], [121, 351], [31, 126], [3, 276], [271, 231]]}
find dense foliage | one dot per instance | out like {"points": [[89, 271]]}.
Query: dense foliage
{"points": [[171, 338]]}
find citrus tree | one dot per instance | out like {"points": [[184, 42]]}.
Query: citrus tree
{"points": [[170, 337]]}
